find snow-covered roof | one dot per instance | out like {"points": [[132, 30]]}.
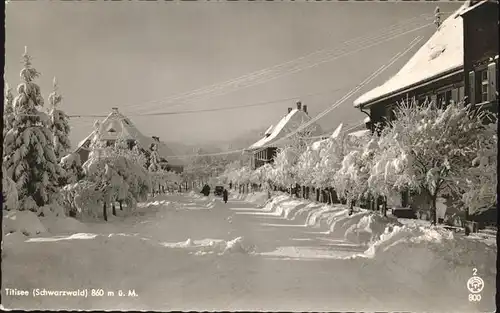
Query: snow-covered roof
{"points": [[441, 54], [288, 123], [269, 130], [337, 131], [116, 125], [317, 144]]}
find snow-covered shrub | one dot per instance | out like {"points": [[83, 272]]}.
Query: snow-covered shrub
{"points": [[29, 157]]}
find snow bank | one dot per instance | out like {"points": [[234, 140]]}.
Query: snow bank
{"points": [[324, 215], [63, 225], [362, 228], [259, 198], [425, 254], [52, 210], [213, 246], [24, 222], [370, 228], [13, 239]]}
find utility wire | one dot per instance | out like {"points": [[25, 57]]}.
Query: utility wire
{"points": [[256, 74], [348, 95], [352, 92], [218, 109]]}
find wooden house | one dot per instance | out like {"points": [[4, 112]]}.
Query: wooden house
{"points": [[265, 149], [480, 23], [116, 126], [435, 72]]}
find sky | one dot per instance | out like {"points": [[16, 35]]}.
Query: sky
{"points": [[138, 55]]}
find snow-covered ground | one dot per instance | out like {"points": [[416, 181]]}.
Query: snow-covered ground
{"points": [[189, 252]]}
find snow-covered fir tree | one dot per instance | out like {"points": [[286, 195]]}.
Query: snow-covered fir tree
{"points": [[59, 124], [72, 169], [29, 157], [8, 109]]}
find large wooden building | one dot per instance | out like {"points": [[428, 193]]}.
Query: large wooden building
{"points": [[458, 63], [116, 126], [265, 149], [435, 72], [480, 23]]}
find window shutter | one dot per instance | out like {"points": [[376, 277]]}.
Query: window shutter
{"points": [[492, 81], [454, 95], [433, 99], [472, 87]]}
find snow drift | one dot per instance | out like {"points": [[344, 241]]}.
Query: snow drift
{"points": [[63, 225], [24, 222], [213, 246], [259, 198]]}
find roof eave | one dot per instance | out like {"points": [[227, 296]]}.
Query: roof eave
{"points": [[367, 104], [475, 6]]}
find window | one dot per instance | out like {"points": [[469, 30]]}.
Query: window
{"points": [[443, 98], [484, 86]]}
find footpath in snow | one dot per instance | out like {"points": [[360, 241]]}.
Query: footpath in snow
{"points": [[189, 252]]}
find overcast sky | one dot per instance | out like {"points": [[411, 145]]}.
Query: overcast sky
{"points": [[127, 54]]}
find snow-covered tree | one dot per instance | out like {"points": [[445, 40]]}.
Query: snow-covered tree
{"points": [[29, 156], [59, 124], [72, 169], [154, 159], [287, 159], [112, 173], [8, 110], [431, 150], [351, 179], [480, 186], [9, 193]]}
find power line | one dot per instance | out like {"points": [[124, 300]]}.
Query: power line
{"points": [[232, 108], [218, 109], [345, 97], [334, 106], [348, 95], [256, 74]]}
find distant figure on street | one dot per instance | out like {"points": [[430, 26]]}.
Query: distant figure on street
{"points": [[205, 190], [224, 195]]}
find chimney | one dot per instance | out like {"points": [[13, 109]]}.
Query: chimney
{"points": [[304, 108], [289, 110], [299, 105], [115, 110]]}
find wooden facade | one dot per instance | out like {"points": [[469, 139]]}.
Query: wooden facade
{"points": [[474, 82], [263, 156], [441, 89], [481, 54]]}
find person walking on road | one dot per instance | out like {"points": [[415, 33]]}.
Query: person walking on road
{"points": [[224, 195]]}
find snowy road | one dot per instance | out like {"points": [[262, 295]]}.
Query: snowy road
{"points": [[291, 268]]}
